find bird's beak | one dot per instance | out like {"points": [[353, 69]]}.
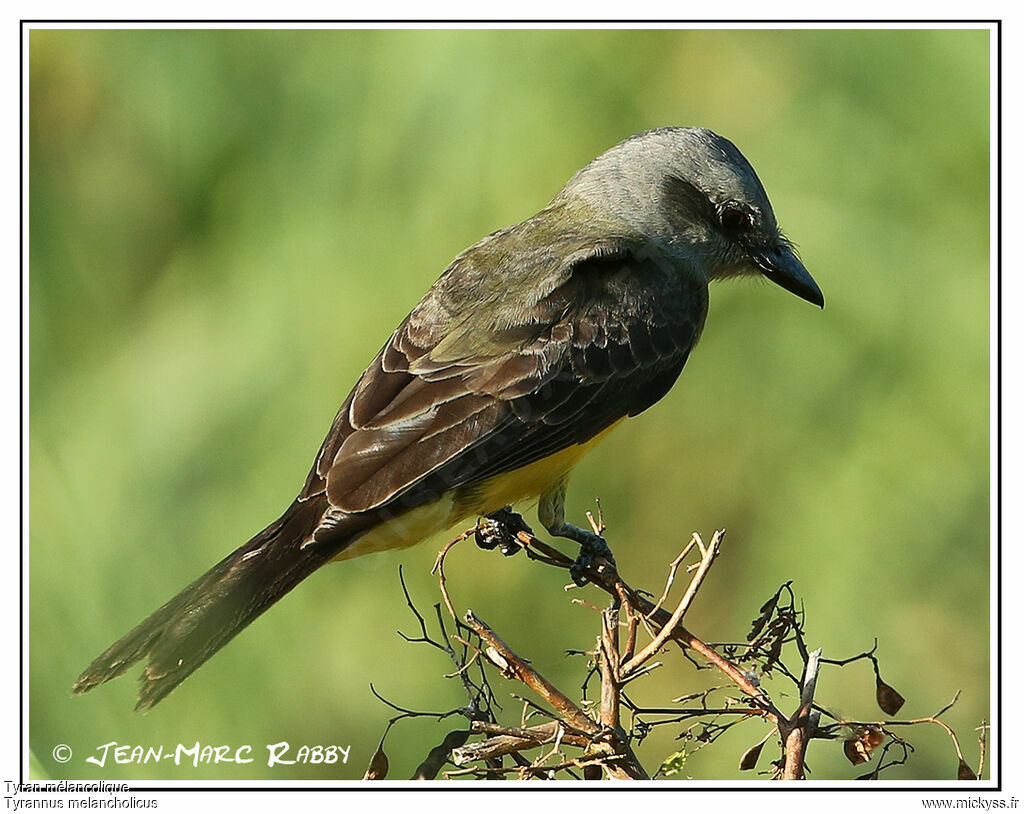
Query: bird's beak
{"points": [[781, 265]]}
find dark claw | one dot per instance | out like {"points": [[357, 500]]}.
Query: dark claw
{"points": [[499, 530], [592, 547]]}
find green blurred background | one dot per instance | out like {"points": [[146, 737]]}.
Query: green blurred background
{"points": [[226, 226]]}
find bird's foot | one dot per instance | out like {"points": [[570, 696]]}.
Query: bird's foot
{"points": [[592, 548], [499, 530]]}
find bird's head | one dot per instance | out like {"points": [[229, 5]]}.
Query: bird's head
{"points": [[693, 193]]}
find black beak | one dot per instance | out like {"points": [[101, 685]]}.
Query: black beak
{"points": [[781, 265]]}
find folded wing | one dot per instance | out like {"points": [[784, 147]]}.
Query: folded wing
{"points": [[453, 400]]}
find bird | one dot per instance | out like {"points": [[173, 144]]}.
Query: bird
{"points": [[530, 348]]}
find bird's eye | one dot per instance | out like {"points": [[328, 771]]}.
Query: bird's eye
{"points": [[735, 218]]}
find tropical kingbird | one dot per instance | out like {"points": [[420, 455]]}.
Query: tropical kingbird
{"points": [[531, 346]]}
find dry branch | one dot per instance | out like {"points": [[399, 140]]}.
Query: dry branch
{"points": [[597, 729]]}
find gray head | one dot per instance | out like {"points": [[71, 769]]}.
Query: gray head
{"points": [[693, 192]]}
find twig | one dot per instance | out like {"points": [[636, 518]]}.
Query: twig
{"points": [[674, 567], [982, 743], [537, 709], [544, 731], [618, 765], [518, 668], [411, 713], [515, 740], [608, 661], [707, 557], [632, 623], [885, 725], [640, 673], [439, 568], [528, 771], [597, 525], [608, 580], [800, 727], [594, 725], [929, 719]]}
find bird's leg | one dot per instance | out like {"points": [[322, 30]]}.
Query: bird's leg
{"points": [[551, 511], [499, 530]]}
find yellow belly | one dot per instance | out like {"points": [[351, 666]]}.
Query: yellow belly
{"points": [[525, 483]]}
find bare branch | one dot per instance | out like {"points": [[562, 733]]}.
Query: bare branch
{"points": [[594, 725], [801, 726], [674, 567], [707, 557], [518, 668]]}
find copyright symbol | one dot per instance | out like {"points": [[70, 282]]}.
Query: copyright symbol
{"points": [[62, 753]]}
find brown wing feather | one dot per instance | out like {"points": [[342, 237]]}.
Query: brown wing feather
{"points": [[422, 420]]}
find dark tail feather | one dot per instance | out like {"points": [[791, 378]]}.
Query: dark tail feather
{"points": [[204, 617]]}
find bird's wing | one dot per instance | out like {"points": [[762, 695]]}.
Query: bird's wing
{"points": [[446, 403]]}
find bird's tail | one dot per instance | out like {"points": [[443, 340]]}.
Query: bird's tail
{"points": [[191, 627]]}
